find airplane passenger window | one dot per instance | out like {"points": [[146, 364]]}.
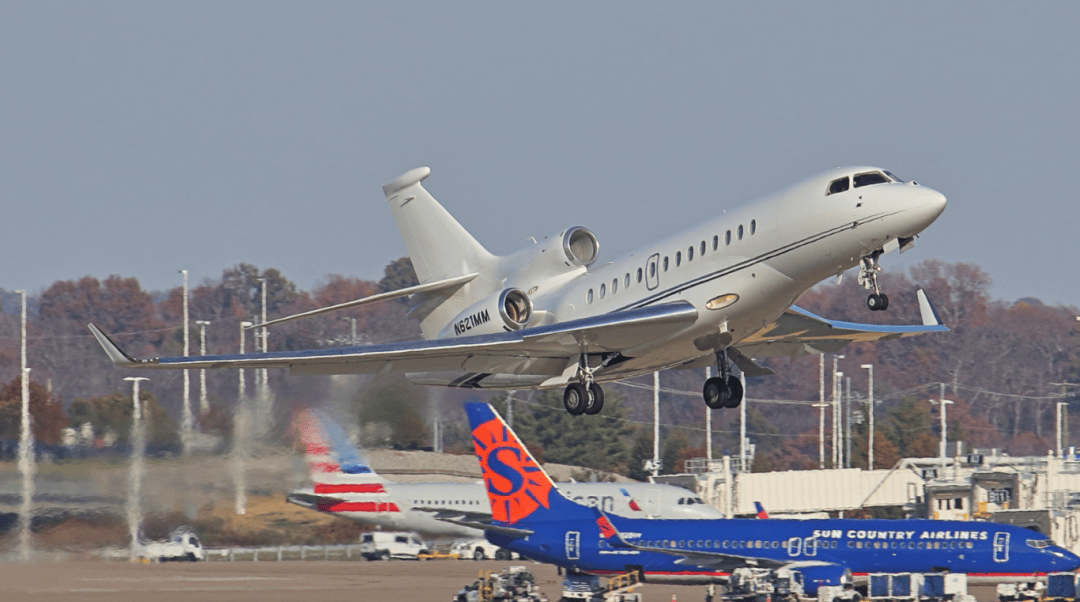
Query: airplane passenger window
{"points": [[690, 254], [703, 247], [665, 264], [590, 295], [614, 285], [838, 185], [603, 290], [678, 258], [639, 274], [626, 283], [740, 231], [727, 238], [753, 226], [715, 242], [870, 178]]}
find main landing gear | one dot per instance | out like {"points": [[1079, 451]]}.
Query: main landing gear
{"points": [[724, 391], [868, 273], [585, 396]]}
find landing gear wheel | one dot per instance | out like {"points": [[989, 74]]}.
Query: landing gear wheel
{"points": [[735, 392], [575, 398], [596, 399], [884, 301], [478, 554], [715, 393], [875, 302]]}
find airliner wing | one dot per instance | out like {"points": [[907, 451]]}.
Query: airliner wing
{"points": [[798, 332], [541, 350], [475, 520], [311, 500]]}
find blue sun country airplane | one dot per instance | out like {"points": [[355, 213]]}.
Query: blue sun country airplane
{"points": [[718, 294], [344, 484], [532, 517]]}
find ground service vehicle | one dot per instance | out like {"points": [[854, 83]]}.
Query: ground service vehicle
{"points": [[384, 545]]}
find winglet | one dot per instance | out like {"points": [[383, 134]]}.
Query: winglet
{"points": [[929, 314], [114, 352], [761, 513]]}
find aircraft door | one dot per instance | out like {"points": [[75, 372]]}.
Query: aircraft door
{"points": [[652, 272], [1001, 547], [810, 546], [573, 547], [652, 503], [794, 546]]}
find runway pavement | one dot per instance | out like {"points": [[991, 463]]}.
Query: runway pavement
{"points": [[94, 580]]}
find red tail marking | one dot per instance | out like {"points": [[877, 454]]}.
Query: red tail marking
{"points": [[350, 488], [358, 507], [325, 467]]}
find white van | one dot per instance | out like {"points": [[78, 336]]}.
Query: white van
{"points": [[383, 545], [479, 549], [181, 545]]}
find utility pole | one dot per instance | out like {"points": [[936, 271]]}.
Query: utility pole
{"points": [[838, 419], [870, 411], [847, 422], [243, 385], [264, 377], [510, 408], [944, 427], [352, 341], [27, 467], [204, 403], [821, 405], [138, 445], [241, 432], [656, 424], [836, 411], [186, 419]]}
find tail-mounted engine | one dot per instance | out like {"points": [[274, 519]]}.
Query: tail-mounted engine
{"points": [[509, 310], [566, 253]]}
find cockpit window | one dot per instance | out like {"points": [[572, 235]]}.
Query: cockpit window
{"points": [[869, 178], [893, 176], [1039, 544], [838, 185]]}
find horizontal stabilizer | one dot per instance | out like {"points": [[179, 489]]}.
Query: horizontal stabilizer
{"points": [[477, 521], [449, 283]]}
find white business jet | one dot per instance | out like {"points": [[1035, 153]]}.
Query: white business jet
{"points": [[344, 484], [718, 294]]}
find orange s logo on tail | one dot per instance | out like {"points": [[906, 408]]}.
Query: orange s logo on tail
{"points": [[516, 486]]}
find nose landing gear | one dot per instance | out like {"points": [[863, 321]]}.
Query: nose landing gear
{"points": [[868, 273]]}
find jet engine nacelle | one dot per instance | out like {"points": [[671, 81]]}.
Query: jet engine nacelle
{"points": [[567, 252], [815, 576], [509, 310]]}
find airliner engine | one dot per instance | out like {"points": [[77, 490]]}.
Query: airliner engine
{"points": [[555, 258], [509, 310]]}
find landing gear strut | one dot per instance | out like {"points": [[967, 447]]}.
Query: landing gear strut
{"points": [[585, 396], [724, 391], [868, 273]]}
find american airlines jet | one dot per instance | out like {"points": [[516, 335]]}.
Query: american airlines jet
{"points": [[718, 294], [344, 484]]}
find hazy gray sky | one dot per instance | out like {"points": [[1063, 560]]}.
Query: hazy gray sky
{"points": [[139, 138]]}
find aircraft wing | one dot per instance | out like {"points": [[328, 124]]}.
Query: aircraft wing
{"points": [[311, 500], [542, 350], [798, 332]]}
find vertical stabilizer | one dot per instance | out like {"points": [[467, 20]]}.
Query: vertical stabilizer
{"points": [[336, 465], [519, 490], [438, 245]]}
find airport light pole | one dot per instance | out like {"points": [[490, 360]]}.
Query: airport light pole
{"points": [[243, 385], [708, 425], [352, 341], [26, 442], [944, 427], [847, 422], [870, 412], [204, 404], [838, 422], [186, 418], [1062, 416], [1062, 406], [138, 444], [836, 411]]}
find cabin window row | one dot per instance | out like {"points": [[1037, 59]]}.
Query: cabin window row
{"points": [[591, 295], [443, 502], [823, 544], [911, 545]]}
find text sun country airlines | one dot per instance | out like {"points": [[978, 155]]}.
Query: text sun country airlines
{"points": [[344, 484], [717, 294], [532, 517]]}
